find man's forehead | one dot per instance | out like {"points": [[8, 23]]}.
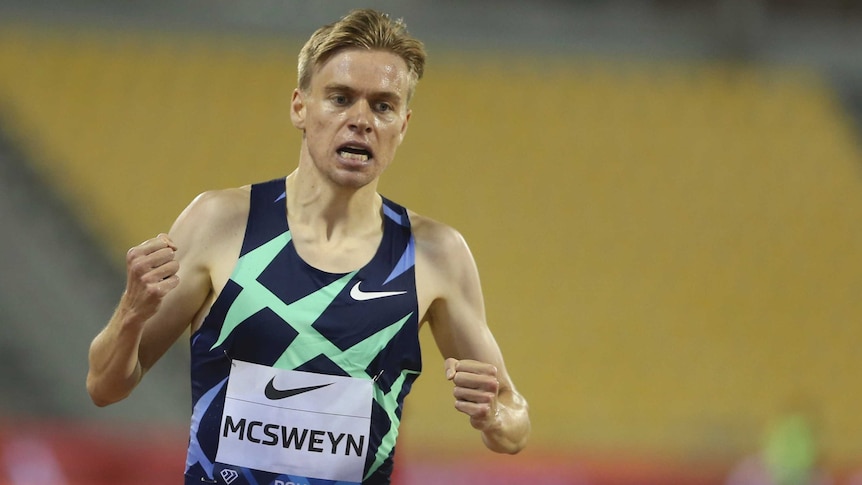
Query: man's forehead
{"points": [[382, 69]]}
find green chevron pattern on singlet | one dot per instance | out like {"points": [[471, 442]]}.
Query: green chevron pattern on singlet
{"points": [[389, 401], [309, 343]]}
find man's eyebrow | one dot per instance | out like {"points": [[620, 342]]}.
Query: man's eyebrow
{"points": [[338, 88], [390, 96]]}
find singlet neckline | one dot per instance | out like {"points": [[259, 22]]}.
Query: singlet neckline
{"points": [[377, 252]]}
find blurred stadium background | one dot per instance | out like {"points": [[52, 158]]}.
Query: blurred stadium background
{"points": [[664, 199]]}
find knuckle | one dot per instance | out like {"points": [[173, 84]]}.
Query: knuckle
{"points": [[154, 291], [150, 291], [137, 267]]}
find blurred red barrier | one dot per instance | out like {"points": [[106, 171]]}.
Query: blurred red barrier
{"points": [[536, 466], [52, 453], [59, 453]]}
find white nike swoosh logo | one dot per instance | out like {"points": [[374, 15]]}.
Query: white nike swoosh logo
{"points": [[360, 295]]}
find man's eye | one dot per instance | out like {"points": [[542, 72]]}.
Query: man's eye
{"points": [[384, 107], [339, 100]]}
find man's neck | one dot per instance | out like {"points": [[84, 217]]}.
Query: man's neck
{"points": [[326, 211]]}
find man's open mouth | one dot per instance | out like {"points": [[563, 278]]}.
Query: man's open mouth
{"points": [[354, 153]]}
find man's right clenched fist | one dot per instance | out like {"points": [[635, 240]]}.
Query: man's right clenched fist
{"points": [[151, 273]]}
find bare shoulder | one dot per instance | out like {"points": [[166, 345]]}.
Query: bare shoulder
{"points": [[212, 220], [219, 206], [435, 238], [214, 210], [436, 241]]}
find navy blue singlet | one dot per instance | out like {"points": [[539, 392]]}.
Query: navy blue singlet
{"points": [[299, 375]]}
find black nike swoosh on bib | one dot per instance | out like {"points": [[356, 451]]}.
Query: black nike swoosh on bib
{"points": [[274, 394]]}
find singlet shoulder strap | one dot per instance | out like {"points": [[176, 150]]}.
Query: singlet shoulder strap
{"points": [[267, 214], [398, 240], [396, 213]]}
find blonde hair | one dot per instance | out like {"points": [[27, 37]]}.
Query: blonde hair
{"points": [[365, 29]]}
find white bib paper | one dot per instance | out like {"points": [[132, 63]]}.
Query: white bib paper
{"points": [[295, 423]]}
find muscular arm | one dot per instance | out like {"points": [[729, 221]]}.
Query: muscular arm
{"points": [[168, 283], [474, 363]]}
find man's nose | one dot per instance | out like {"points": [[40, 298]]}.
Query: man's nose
{"points": [[361, 117]]}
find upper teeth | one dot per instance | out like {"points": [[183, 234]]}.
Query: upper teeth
{"points": [[360, 157]]}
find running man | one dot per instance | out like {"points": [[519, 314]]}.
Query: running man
{"points": [[304, 295]]}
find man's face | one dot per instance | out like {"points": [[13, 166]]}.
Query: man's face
{"points": [[354, 115]]}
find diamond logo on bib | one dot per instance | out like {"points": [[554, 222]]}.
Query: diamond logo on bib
{"points": [[295, 423]]}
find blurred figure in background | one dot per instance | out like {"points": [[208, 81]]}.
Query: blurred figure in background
{"points": [[790, 456]]}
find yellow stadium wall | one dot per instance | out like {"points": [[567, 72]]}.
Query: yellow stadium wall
{"points": [[670, 252]]}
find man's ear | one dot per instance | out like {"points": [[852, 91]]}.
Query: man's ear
{"points": [[297, 109], [404, 126]]}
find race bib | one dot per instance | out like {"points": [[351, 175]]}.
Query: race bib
{"points": [[295, 423]]}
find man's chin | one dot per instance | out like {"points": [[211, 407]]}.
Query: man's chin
{"points": [[352, 179]]}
